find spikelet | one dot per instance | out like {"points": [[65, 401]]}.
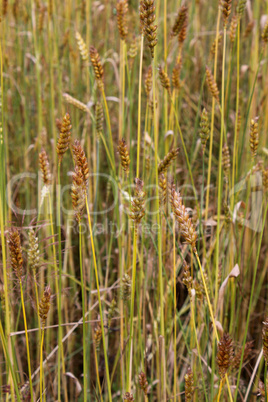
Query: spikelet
{"points": [[199, 290], [122, 9], [183, 32], [124, 155], [65, 137], [265, 179], [213, 46], [97, 337], [15, 252], [143, 383], [226, 10], [76, 103], [33, 251], [166, 162], [138, 203], [225, 354], [265, 340], [247, 352], [248, 29], [147, 18], [226, 161], [132, 53], [233, 26], [99, 119], [148, 81], [44, 305], [176, 75], [264, 34], [81, 160], [44, 167], [179, 22], [204, 128], [163, 190], [111, 312], [82, 46], [164, 79], [96, 63], [78, 193], [254, 136], [4, 8], [125, 290], [189, 385], [261, 393], [187, 279], [128, 397], [241, 8], [182, 217], [41, 18], [213, 88]]}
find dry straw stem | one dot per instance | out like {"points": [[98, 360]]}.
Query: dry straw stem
{"points": [[82, 47], [164, 79], [254, 136], [189, 385], [78, 193], [99, 118], [166, 162], [143, 383], [138, 202], [147, 17], [225, 354], [122, 9], [182, 217], [124, 155], [44, 167], [15, 252], [76, 103], [148, 82], [204, 128], [96, 63], [226, 10], [65, 137], [44, 305], [81, 160], [179, 22], [212, 85]]}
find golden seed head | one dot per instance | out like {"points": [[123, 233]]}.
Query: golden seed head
{"points": [[164, 79], [132, 53], [99, 119], [75, 102], [241, 7], [124, 155], [212, 85], [96, 63], [233, 26], [182, 217], [204, 128], [183, 32], [15, 252], [122, 9], [265, 179], [44, 305], [33, 251], [249, 29], [225, 354], [189, 385], [264, 34], [97, 337], [166, 162], [78, 193], [213, 46], [226, 162], [148, 81], [226, 10], [81, 160], [125, 290], [179, 22], [138, 202], [176, 75], [187, 278], [65, 136], [254, 136], [147, 17], [82, 47], [128, 397], [44, 167], [247, 352], [163, 190], [111, 312], [143, 383]]}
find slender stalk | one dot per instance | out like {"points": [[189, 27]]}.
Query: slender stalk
{"points": [[27, 342], [41, 364], [175, 311], [83, 311], [139, 110], [60, 284]]}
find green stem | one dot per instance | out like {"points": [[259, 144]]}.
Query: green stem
{"points": [[60, 284], [83, 310]]}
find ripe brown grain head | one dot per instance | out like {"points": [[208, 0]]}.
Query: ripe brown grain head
{"points": [[15, 250], [64, 137]]}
